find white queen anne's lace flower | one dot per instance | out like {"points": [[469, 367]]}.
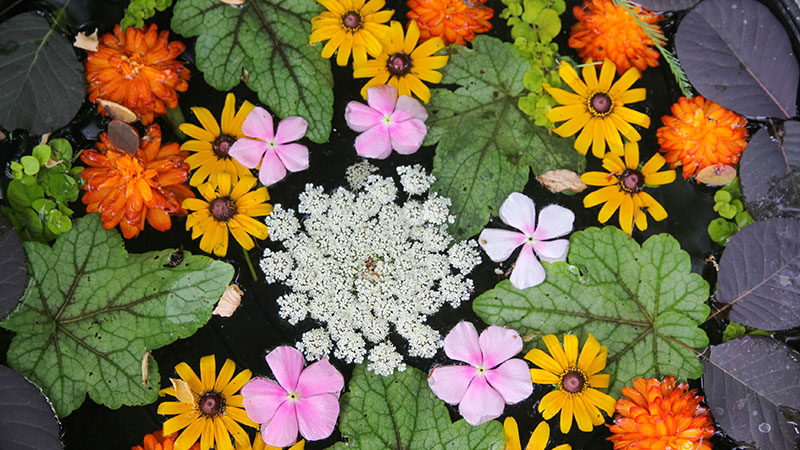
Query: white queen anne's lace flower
{"points": [[364, 266]]}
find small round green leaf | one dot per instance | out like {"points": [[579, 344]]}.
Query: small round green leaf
{"points": [[30, 165]]}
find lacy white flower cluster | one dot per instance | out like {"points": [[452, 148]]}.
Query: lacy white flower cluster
{"points": [[364, 265]]}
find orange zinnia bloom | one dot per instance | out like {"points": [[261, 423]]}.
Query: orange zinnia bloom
{"points": [[128, 188], [456, 21], [659, 415], [605, 30], [700, 133], [137, 69], [157, 441]]}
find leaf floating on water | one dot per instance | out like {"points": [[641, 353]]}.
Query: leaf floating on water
{"points": [[86, 42], [233, 2], [27, 421], [117, 111], [229, 302], [714, 176], [124, 136], [562, 180]]}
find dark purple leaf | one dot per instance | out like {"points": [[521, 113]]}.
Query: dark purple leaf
{"points": [[27, 421], [666, 5], [770, 173], [759, 275], [749, 382], [13, 267], [736, 53]]}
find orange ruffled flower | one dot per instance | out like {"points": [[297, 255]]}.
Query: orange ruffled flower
{"points": [[157, 441], [699, 134], [456, 21], [605, 30], [658, 416], [127, 189], [137, 69]]}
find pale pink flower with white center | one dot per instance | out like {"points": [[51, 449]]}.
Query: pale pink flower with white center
{"points": [[519, 211], [305, 399], [484, 387], [387, 123], [273, 150]]}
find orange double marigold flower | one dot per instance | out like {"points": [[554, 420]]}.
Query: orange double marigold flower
{"points": [[128, 188], [605, 30], [455, 21], [699, 134], [157, 441], [660, 415], [137, 69]]}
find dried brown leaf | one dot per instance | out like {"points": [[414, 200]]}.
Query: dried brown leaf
{"points": [[716, 177], [86, 42], [233, 2], [182, 390], [124, 136], [229, 302], [562, 180], [117, 111]]}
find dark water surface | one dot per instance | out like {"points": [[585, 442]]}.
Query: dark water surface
{"points": [[256, 326]]}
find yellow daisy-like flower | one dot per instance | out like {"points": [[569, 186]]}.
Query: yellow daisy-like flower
{"points": [[211, 143], [598, 107], [403, 64], [228, 207], [258, 444], [576, 378], [350, 25], [208, 407], [538, 439], [623, 188]]}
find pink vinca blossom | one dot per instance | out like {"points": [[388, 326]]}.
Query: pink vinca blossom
{"points": [[387, 123], [519, 211], [273, 150], [483, 388], [305, 399]]}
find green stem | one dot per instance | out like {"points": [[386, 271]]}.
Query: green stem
{"points": [[249, 264]]}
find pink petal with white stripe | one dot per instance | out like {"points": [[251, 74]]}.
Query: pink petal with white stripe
{"points": [[554, 221], [258, 124], [552, 251], [500, 244], [512, 380], [449, 383], [519, 211], [499, 344], [481, 403], [461, 344], [528, 271], [291, 129]]}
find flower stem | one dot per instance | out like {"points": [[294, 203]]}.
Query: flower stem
{"points": [[249, 264]]}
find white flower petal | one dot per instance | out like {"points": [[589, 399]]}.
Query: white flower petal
{"points": [[519, 211], [499, 244]]}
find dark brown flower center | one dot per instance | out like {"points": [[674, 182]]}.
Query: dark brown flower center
{"points": [[573, 382], [222, 209], [211, 404], [399, 64], [632, 180], [222, 145], [352, 20], [601, 103]]}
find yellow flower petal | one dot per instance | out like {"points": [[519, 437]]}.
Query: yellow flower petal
{"points": [[540, 376], [556, 351], [599, 362], [599, 179], [225, 375], [511, 431], [180, 422], [589, 351], [625, 128], [599, 380], [544, 361], [570, 77], [660, 178], [653, 165], [632, 116], [540, 436], [612, 136], [228, 112], [571, 349], [207, 120], [599, 196], [653, 207], [610, 206], [428, 48], [196, 132], [626, 214], [236, 431], [563, 97], [197, 146], [632, 155], [566, 414], [551, 403], [412, 37], [175, 408], [581, 414], [572, 126], [601, 400], [194, 204], [561, 113], [599, 139], [625, 81], [254, 227], [238, 381], [240, 415], [631, 96], [221, 435], [607, 72], [187, 374], [208, 367], [589, 73], [585, 138]]}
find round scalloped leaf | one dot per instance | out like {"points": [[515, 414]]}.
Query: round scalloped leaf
{"points": [[27, 421], [759, 275], [642, 302], [738, 54], [13, 267], [666, 5], [752, 384]]}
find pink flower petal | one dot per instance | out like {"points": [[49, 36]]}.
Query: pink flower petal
{"points": [[258, 124], [461, 344], [449, 383], [382, 98], [499, 244], [291, 129], [374, 143], [262, 398], [554, 221], [286, 364], [317, 415], [512, 380], [407, 136], [293, 156], [248, 152], [272, 169], [528, 271], [499, 344], [409, 108], [552, 251], [481, 403], [519, 211], [320, 378], [361, 117], [281, 431]]}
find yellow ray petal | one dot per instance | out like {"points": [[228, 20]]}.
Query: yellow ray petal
{"points": [[598, 179], [572, 126], [634, 117], [610, 207], [571, 349], [228, 112], [600, 196], [581, 414], [589, 351], [653, 164], [540, 436], [563, 97], [625, 81], [540, 376], [653, 207], [607, 72], [632, 155], [566, 414], [207, 120], [187, 374], [570, 77], [208, 367], [555, 349], [626, 214], [511, 431], [544, 361]]}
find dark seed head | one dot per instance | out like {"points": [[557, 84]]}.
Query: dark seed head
{"points": [[632, 180], [222, 145], [573, 382], [351, 20], [601, 103], [399, 64], [211, 404], [222, 209]]}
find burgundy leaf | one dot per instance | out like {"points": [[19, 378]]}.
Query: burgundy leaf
{"points": [[666, 5], [27, 421], [13, 267]]}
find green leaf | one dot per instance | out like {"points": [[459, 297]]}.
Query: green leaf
{"points": [[30, 165], [400, 412], [42, 153], [43, 85], [486, 144], [722, 196], [721, 230], [91, 311], [21, 195], [733, 331], [268, 39], [62, 150], [642, 302], [549, 24]]}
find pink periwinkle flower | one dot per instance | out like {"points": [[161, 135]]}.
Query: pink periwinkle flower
{"points": [[273, 150], [484, 387], [387, 123], [305, 399], [519, 211]]}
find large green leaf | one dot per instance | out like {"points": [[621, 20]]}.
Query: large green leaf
{"points": [[400, 412], [268, 39], [642, 302], [91, 311], [486, 144], [43, 85]]}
